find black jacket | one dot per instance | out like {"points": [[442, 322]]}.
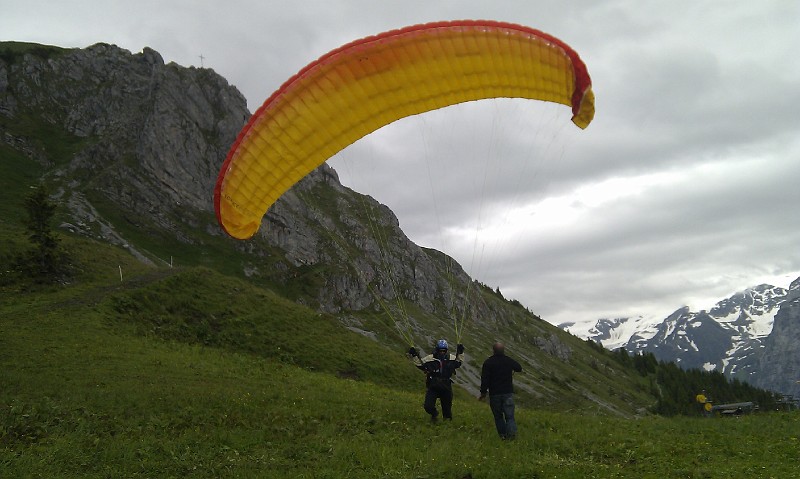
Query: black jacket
{"points": [[438, 372], [497, 373]]}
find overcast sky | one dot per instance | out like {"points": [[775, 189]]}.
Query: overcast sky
{"points": [[684, 189]]}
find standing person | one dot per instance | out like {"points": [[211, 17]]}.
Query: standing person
{"points": [[438, 367], [497, 378]]}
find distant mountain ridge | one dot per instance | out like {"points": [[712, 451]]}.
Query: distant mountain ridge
{"points": [[733, 337]]}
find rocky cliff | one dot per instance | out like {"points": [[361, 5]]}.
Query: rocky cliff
{"points": [[148, 139], [779, 364], [125, 129]]}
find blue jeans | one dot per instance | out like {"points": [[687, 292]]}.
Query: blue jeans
{"points": [[503, 409]]}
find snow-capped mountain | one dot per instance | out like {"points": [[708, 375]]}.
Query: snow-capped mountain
{"points": [[614, 333], [730, 337]]}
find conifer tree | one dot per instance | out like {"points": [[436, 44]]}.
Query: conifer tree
{"points": [[43, 261]]}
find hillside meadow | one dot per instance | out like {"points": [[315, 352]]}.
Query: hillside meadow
{"points": [[188, 373]]}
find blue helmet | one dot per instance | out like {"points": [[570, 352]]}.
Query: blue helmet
{"points": [[441, 344]]}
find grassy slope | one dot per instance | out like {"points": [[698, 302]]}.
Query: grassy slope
{"points": [[17, 174], [91, 386]]}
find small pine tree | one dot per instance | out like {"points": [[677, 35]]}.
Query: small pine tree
{"points": [[44, 260]]}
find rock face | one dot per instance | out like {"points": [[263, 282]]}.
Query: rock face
{"points": [[142, 141], [143, 135], [314, 231], [779, 364]]}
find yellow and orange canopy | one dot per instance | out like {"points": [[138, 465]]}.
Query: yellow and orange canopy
{"points": [[364, 85]]}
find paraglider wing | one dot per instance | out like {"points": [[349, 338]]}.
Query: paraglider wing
{"points": [[364, 85]]}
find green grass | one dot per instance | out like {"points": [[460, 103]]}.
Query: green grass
{"points": [[19, 175], [11, 52], [200, 306], [115, 379]]}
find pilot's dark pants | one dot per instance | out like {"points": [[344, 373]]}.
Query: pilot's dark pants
{"points": [[445, 396]]}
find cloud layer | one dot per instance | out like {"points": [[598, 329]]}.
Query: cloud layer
{"points": [[682, 191]]}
